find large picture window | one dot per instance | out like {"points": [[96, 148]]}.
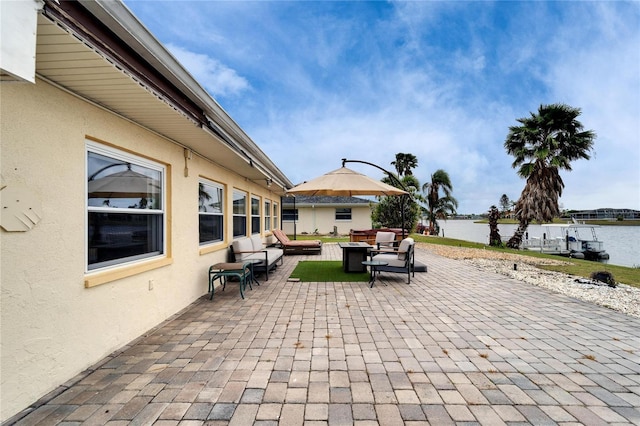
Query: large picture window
{"points": [[267, 215], [255, 215], [211, 212], [239, 214], [125, 207]]}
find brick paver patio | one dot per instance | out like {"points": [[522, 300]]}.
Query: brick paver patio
{"points": [[456, 346]]}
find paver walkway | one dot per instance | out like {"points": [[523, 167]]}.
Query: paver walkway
{"points": [[456, 346]]}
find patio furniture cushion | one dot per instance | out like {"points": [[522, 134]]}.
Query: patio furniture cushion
{"points": [[391, 259], [385, 239], [404, 248], [242, 248], [256, 242]]}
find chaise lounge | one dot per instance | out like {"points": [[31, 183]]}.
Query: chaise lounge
{"points": [[297, 247]]}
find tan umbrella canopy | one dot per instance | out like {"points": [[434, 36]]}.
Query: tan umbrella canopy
{"points": [[126, 184], [344, 182]]}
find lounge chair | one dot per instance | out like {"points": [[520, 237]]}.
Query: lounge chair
{"points": [[399, 260], [297, 247]]}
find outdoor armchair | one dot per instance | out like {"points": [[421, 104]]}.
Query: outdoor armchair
{"points": [[399, 260], [297, 247]]}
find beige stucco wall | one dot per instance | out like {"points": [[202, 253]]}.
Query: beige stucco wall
{"points": [[323, 219], [52, 326]]}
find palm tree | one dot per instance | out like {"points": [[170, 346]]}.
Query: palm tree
{"points": [[439, 207], [405, 163], [494, 232], [543, 144], [504, 203]]}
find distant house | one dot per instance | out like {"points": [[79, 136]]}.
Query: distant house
{"points": [[122, 181], [605, 213], [323, 214]]}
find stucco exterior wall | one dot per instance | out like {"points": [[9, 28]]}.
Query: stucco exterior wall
{"points": [[323, 219], [52, 326]]}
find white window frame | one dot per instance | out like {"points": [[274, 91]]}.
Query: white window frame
{"points": [[245, 196], [125, 157], [276, 216], [256, 218], [267, 215], [220, 188]]}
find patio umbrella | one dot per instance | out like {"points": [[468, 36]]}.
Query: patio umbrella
{"points": [[344, 182], [126, 184]]}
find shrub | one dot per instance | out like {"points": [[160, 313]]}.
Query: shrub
{"points": [[605, 277]]}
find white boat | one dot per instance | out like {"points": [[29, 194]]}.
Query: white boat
{"points": [[565, 240]]}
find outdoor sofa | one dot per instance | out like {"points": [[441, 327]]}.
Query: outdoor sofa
{"points": [[264, 258]]}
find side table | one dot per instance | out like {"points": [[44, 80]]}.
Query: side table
{"points": [[373, 266], [222, 271]]}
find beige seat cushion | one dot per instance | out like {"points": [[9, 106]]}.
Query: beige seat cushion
{"points": [[256, 242], [242, 245], [385, 239], [404, 248], [390, 258]]}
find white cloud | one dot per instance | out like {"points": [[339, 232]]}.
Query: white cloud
{"points": [[602, 78], [441, 80], [217, 78]]}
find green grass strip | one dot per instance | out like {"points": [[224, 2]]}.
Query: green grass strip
{"points": [[326, 271]]}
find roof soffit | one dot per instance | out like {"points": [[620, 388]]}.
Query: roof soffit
{"points": [[95, 69]]}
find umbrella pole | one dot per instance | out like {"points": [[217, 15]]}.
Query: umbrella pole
{"points": [[404, 199]]}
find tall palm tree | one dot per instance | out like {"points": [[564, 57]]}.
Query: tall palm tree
{"points": [[405, 163], [439, 207], [494, 232], [543, 144]]}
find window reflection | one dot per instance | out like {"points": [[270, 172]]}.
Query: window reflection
{"points": [[125, 215], [117, 184], [210, 206]]}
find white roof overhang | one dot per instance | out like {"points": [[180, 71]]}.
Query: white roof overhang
{"points": [[99, 51]]}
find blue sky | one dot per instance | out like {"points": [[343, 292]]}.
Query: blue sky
{"points": [[314, 82]]}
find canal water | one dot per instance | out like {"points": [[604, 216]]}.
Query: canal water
{"points": [[621, 242]]}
